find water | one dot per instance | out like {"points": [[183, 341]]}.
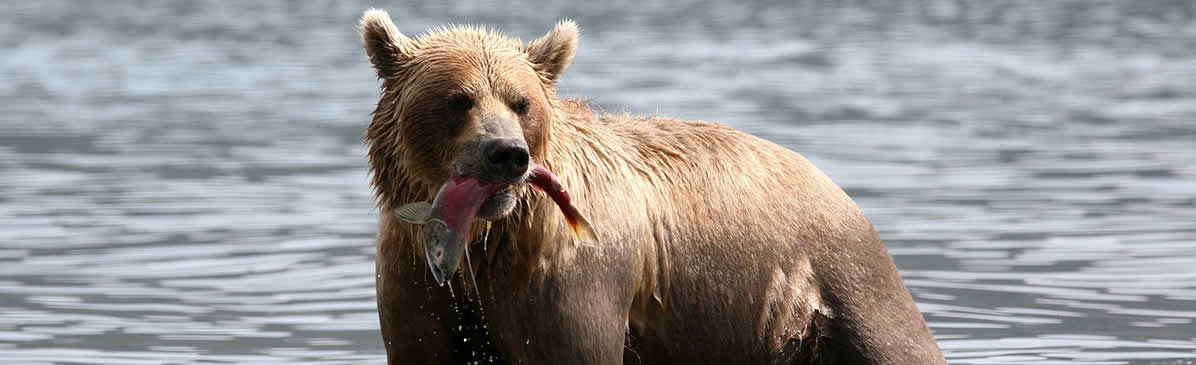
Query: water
{"points": [[185, 182]]}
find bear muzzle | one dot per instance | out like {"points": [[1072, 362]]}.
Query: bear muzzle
{"points": [[496, 153]]}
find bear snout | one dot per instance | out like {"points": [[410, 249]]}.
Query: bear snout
{"points": [[505, 161], [507, 158], [496, 152]]}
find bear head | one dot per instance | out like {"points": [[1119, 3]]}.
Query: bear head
{"points": [[460, 102]]}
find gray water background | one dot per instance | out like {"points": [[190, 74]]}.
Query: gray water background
{"points": [[185, 182]]}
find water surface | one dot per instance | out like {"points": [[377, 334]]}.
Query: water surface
{"points": [[185, 182]]}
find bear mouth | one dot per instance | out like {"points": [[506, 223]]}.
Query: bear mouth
{"points": [[498, 205]]}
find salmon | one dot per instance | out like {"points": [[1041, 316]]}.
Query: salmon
{"points": [[448, 217]]}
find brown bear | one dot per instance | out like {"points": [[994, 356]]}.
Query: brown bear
{"points": [[713, 246]]}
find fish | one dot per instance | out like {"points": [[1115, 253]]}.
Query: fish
{"points": [[448, 217], [547, 182]]}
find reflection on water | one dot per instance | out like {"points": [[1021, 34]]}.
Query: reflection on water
{"points": [[186, 181]]}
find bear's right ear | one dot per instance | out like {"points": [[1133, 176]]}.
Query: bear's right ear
{"points": [[552, 53], [387, 48]]}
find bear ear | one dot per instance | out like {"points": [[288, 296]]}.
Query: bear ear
{"points": [[552, 53], [387, 48]]}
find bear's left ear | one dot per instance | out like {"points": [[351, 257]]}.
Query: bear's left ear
{"points": [[552, 53]]}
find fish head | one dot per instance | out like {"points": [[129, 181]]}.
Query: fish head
{"points": [[443, 248]]}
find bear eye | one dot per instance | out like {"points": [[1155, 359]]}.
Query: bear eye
{"points": [[460, 102], [520, 107]]}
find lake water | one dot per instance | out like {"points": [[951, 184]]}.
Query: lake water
{"points": [[185, 182]]}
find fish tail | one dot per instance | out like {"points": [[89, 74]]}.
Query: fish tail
{"points": [[583, 231]]}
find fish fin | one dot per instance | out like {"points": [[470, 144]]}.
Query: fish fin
{"points": [[414, 213], [583, 231]]}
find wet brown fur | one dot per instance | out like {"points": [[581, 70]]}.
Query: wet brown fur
{"points": [[715, 246]]}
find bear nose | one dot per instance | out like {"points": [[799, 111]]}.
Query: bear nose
{"points": [[508, 157]]}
